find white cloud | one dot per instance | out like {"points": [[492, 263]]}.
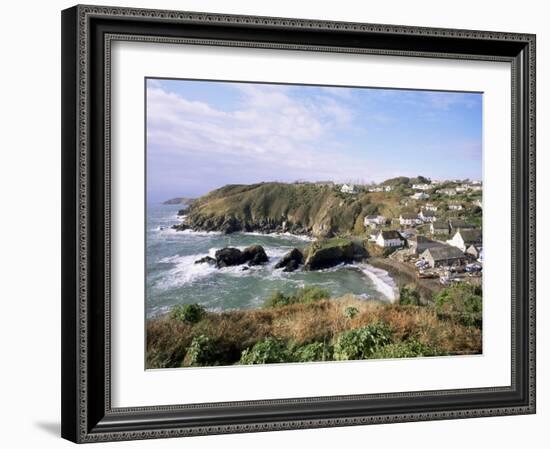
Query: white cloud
{"points": [[272, 134]]}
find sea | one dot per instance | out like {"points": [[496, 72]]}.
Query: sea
{"points": [[174, 278]]}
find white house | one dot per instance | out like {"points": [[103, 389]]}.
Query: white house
{"points": [[448, 192], [455, 206], [429, 206], [420, 196], [389, 239], [421, 186], [427, 216], [406, 219], [464, 238], [376, 189], [348, 188], [388, 188], [374, 220]]}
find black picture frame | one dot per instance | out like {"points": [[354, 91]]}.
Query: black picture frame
{"points": [[87, 414]]}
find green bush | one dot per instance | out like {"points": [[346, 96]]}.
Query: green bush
{"points": [[412, 348], [277, 299], [190, 313], [311, 293], [303, 295], [201, 352], [462, 302], [351, 312], [313, 352], [269, 350], [357, 344], [409, 295]]}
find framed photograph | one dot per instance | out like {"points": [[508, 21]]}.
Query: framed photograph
{"points": [[276, 224]]}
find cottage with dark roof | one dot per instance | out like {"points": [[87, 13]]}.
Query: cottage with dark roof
{"points": [[455, 224], [443, 256], [463, 238], [389, 239], [418, 244], [409, 219], [427, 216], [439, 227]]}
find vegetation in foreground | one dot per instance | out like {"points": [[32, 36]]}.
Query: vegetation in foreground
{"points": [[308, 326]]}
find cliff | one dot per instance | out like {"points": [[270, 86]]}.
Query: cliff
{"points": [[320, 211]]}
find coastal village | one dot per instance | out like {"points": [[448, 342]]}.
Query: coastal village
{"points": [[437, 233]]}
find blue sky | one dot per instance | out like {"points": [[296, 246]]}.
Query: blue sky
{"points": [[202, 135]]}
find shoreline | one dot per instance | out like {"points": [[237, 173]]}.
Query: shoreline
{"points": [[404, 274]]}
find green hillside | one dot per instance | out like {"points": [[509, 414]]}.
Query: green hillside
{"points": [[322, 211]]}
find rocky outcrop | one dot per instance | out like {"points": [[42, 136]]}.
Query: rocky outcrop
{"points": [[206, 259], [333, 252], [291, 260], [228, 257], [255, 255], [181, 227]]}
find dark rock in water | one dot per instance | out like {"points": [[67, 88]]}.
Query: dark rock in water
{"points": [[228, 257], [292, 265], [206, 259], [180, 227], [255, 255], [333, 252], [294, 256], [181, 212], [245, 268]]}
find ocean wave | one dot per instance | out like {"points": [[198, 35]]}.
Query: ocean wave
{"points": [[382, 281]]}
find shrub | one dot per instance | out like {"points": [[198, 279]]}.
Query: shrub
{"points": [[190, 313], [303, 295], [351, 312], [357, 344], [311, 293], [462, 302], [269, 350], [313, 352], [411, 348], [277, 299], [409, 295], [201, 352]]}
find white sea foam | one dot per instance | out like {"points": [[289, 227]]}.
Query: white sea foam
{"points": [[382, 281], [185, 271], [280, 234]]}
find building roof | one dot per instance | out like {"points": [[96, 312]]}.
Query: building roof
{"points": [[460, 224], [443, 252], [470, 235], [440, 225], [408, 216], [428, 213], [390, 235]]}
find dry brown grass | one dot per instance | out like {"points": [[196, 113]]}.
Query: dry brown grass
{"points": [[234, 331]]}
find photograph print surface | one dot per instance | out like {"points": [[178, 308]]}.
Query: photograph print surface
{"points": [[301, 223]]}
